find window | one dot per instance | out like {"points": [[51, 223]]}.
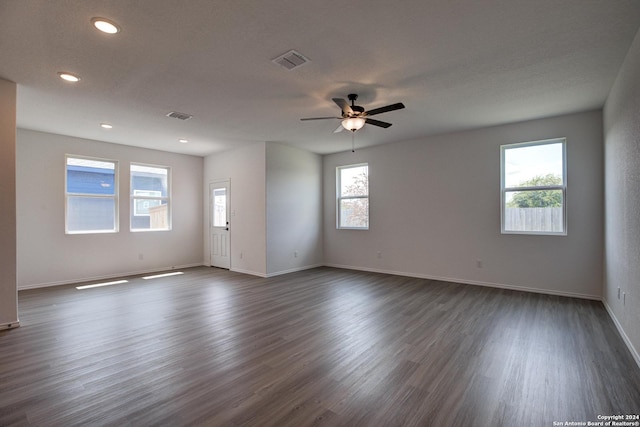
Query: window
{"points": [[91, 195], [534, 187], [220, 207], [353, 196], [150, 198]]}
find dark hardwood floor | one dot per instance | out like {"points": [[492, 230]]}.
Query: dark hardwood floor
{"points": [[319, 347]]}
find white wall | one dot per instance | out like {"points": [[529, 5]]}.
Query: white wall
{"points": [[622, 199], [435, 211], [245, 168], [8, 292], [294, 209], [46, 255]]}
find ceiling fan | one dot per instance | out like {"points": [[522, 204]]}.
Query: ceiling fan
{"points": [[354, 117]]}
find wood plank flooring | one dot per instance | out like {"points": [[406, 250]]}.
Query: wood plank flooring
{"points": [[323, 347]]}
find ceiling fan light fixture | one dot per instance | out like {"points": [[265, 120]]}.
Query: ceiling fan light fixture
{"points": [[353, 123]]}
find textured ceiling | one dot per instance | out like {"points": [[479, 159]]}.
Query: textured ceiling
{"points": [[455, 64]]}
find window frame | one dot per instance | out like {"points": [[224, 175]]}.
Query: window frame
{"points": [[562, 187], [340, 198], [133, 213], [70, 195]]}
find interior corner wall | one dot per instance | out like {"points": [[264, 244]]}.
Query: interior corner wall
{"points": [[244, 167], [622, 200], [435, 211], [47, 256], [8, 267], [294, 209]]}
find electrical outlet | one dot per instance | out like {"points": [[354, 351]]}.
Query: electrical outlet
{"points": [[241, 255], [140, 257], [379, 254], [295, 254], [479, 263]]}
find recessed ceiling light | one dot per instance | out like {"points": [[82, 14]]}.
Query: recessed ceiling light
{"points": [[184, 141], [105, 25], [70, 77], [106, 125]]}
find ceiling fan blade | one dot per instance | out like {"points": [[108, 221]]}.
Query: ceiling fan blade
{"points": [[339, 129], [392, 107], [320, 118], [377, 123], [344, 105]]}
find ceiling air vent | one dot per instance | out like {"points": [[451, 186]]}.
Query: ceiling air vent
{"points": [[179, 116], [291, 60]]}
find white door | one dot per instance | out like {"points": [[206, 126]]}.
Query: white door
{"points": [[219, 224]]}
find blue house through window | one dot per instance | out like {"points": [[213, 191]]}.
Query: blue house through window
{"points": [[91, 195]]}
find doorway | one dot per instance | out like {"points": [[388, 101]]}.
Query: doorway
{"points": [[219, 236]]}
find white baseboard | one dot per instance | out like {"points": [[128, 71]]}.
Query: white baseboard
{"points": [[348, 267], [293, 270], [249, 272], [277, 273], [106, 276], [472, 282], [625, 338], [12, 325]]}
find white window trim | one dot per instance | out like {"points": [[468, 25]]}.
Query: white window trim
{"points": [[562, 187], [116, 222], [166, 198], [339, 198]]}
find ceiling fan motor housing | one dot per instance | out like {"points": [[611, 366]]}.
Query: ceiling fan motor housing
{"points": [[357, 110]]}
